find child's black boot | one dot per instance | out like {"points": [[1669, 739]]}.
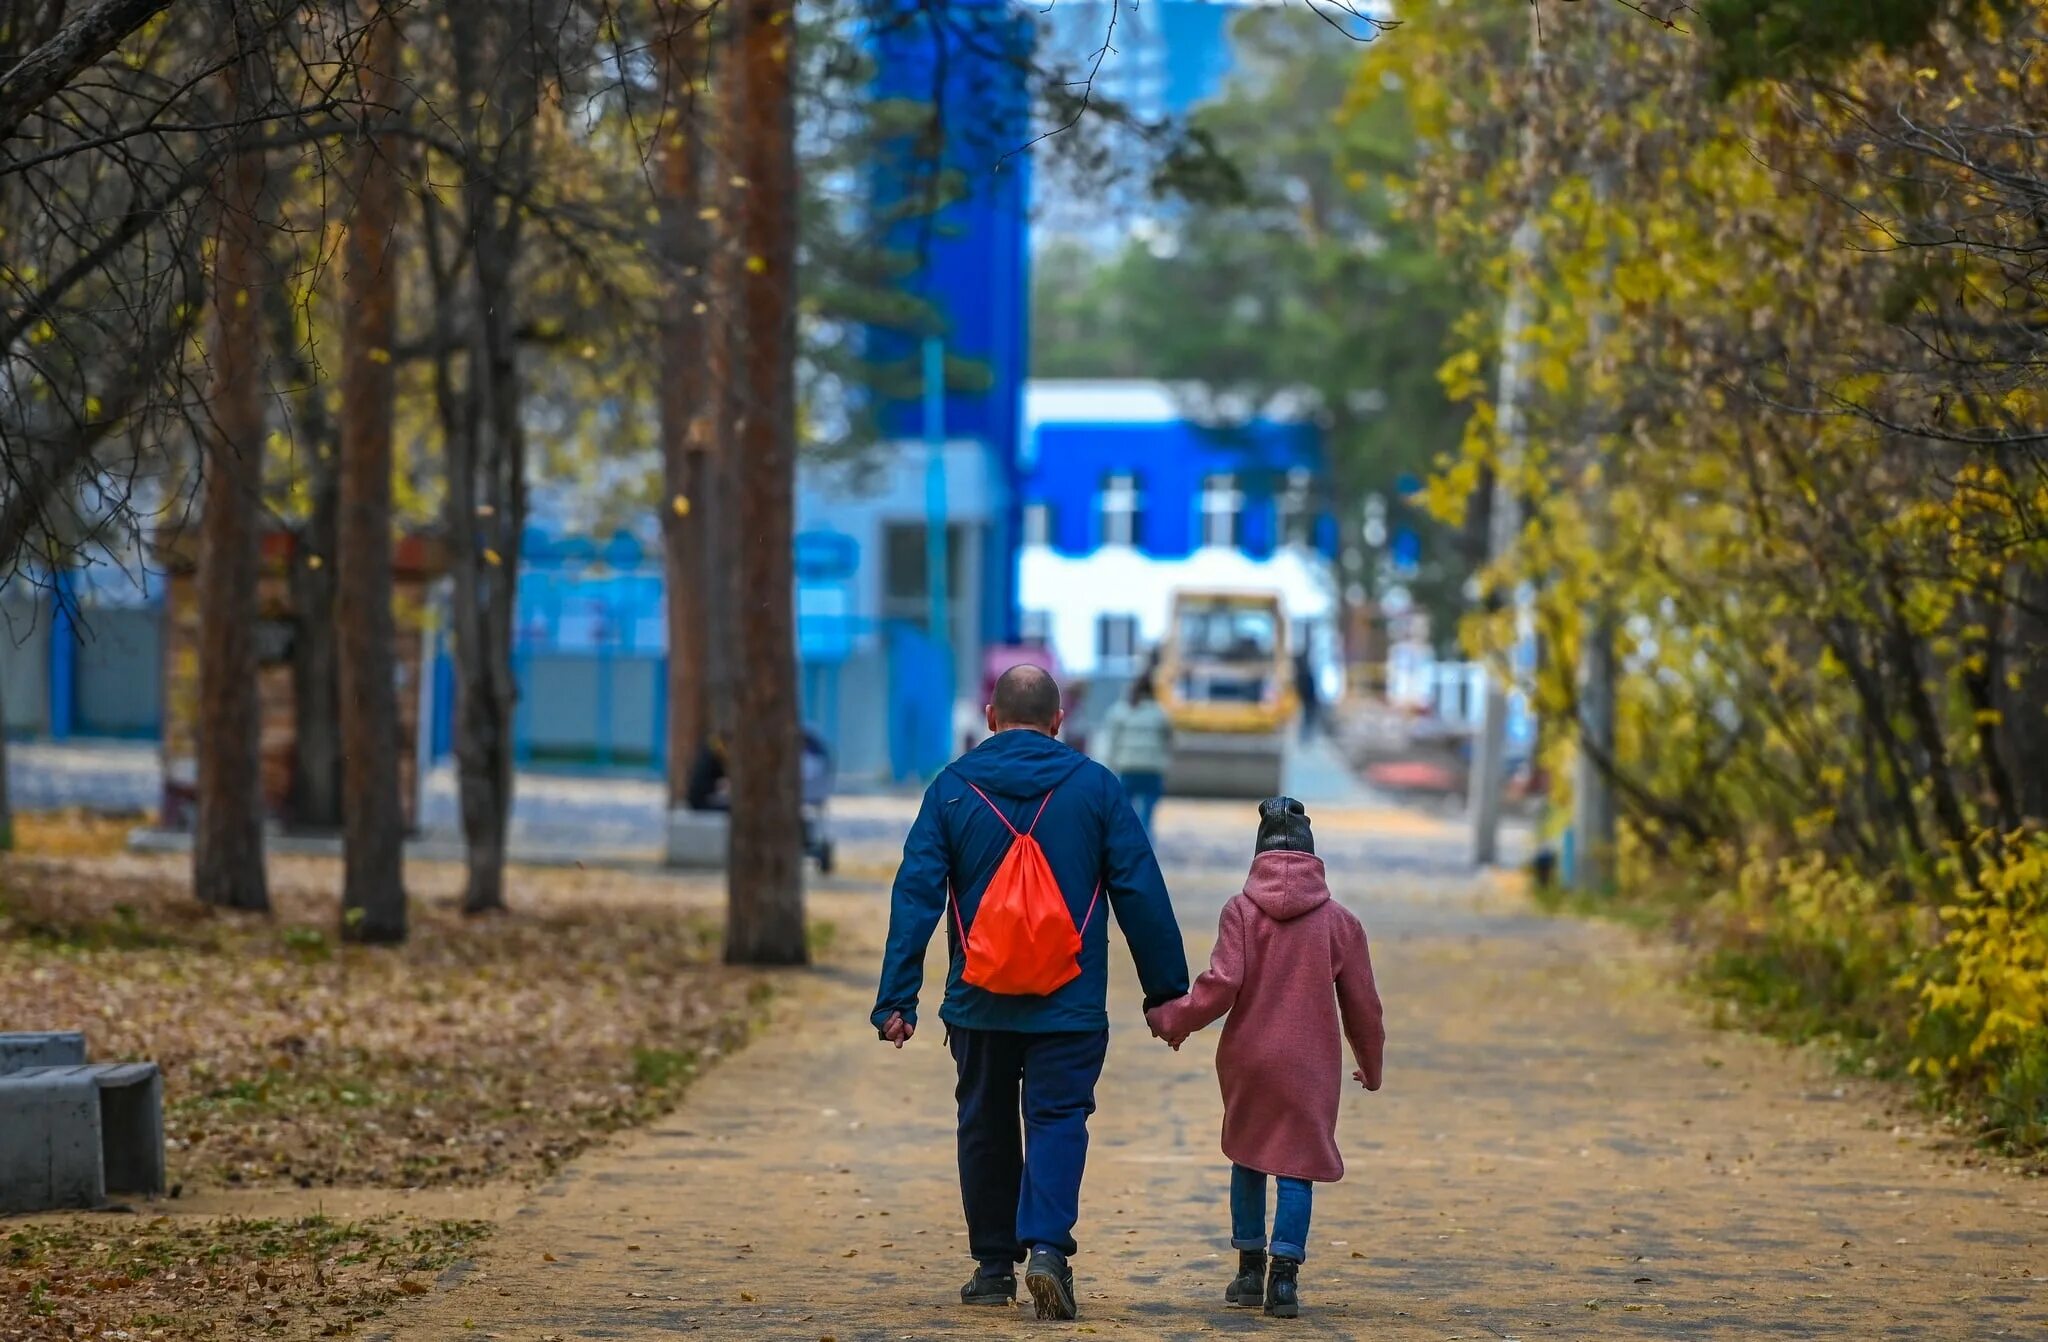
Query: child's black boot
{"points": [[1281, 1300], [1249, 1286]]}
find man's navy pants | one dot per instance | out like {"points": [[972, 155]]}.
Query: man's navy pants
{"points": [[1023, 1189]]}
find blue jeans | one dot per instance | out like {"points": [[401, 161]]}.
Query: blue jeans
{"points": [[1144, 789], [1022, 1188], [1290, 1216]]}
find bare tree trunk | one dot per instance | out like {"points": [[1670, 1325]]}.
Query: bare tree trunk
{"points": [[315, 799], [765, 896], [227, 841], [373, 814], [1489, 765], [2023, 698], [686, 421], [1594, 811], [316, 693], [498, 83], [486, 690], [6, 797]]}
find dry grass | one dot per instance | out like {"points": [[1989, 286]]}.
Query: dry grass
{"points": [[227, 1279], [483, 1049]]}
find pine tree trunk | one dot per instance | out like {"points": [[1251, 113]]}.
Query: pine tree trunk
{"points": [[373, 815], [685, 422], [722, 398], [227, 841], [765, 902]]}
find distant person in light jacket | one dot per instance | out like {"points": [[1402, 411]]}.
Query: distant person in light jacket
{"points": [[1137, 741]]}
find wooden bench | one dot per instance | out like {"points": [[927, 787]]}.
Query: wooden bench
{"points": [[74, 1132]]}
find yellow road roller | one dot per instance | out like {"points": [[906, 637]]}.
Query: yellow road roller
{"points": [[1226, 681]]}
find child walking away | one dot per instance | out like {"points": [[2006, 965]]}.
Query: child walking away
{"points": [[1292, 971]]}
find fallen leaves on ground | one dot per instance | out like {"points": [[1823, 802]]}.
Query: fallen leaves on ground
{"points": [[98, 1278], [483, 1048]]}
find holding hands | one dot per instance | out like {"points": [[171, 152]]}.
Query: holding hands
{"points": [[1158, 1019]]}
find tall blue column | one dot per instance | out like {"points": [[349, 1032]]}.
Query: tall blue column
{"points": [[959, 222], [63, 697]]}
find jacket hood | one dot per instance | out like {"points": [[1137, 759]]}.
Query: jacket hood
{"points": [[1019, 763], [1286, 884]]}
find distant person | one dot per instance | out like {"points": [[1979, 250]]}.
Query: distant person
{"points": [[1137, 741], [1017, 844], [1293, 972], [707, 789], [1310, 693]]}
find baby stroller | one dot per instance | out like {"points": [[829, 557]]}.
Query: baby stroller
{"points": [[818, 775]]}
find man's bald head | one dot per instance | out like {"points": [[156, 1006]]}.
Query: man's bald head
{"points": [[1026, 696]]}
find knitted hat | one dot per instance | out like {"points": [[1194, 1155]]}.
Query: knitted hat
{"points": [[1283, 826]]}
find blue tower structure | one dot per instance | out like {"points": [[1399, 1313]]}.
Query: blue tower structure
{"points": [[950, 190]]}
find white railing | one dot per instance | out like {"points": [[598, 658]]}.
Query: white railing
{"points": [[1453, 693]]}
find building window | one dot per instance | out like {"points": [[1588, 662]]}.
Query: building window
{"points": [[1034, 627], [1297, 512], [904, 584], [1222, 503], [1038, 524], [1120, 509], [1116, 641]]}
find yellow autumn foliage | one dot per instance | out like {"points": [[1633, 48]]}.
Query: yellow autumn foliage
{"points": [[1785, 431]]}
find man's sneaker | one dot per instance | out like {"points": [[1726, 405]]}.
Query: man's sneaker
{"points": [[984, 1288], [1051, 1283], [1281, 1300], [1249, 1286]]}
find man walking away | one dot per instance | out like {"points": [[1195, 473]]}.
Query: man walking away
{"points": [[1309, 693], [1038, 1055]]}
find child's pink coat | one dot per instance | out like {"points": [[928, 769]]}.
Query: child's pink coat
{"points": [[1292, 969]]}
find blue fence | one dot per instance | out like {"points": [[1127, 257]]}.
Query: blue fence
{"points": [[590, 656], [82, 656]]}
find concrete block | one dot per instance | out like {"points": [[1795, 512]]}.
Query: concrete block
{"points": [[41, 1048], [697, 839], [51, 1152], [132, 1128], [69, 1136]]}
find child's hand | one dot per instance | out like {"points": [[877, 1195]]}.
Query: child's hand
{"points": [[1173, 1040], [1359, 1077]]}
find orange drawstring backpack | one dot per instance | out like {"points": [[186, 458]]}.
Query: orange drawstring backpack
{"points": [[1024, 942]]}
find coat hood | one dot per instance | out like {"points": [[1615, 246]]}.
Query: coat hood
{"points": [[1019, 763], [1286, 884]]}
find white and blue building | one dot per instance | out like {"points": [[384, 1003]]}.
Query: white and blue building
{"points": [[1130, 491]]}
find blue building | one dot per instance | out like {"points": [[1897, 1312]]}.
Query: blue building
{"points": [[1128, 496], [1164, 59], [948, 194]]}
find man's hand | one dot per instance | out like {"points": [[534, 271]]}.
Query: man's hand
{"points": [[1359, 1077], [897, 1030], [1173, 1040]]}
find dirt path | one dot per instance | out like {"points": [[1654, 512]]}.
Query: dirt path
{"points": [[1562, 1150]]}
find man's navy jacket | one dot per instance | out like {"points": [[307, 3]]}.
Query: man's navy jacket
{"points": [[1091, 838]]}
